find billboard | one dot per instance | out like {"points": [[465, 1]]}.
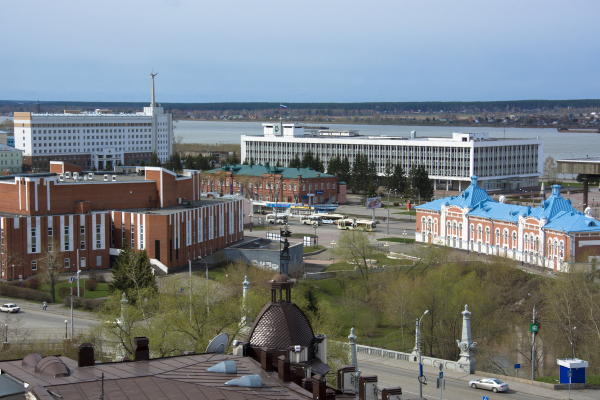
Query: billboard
{"points": [[373, 202]]}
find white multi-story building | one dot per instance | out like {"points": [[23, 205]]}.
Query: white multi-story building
{"points": [[94, 139], [499, 163]]}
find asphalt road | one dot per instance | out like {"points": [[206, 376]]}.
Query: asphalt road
{"points": [[34, 322], [455, 390]]}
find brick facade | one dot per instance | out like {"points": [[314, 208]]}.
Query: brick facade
{"points": [[161, 213]]}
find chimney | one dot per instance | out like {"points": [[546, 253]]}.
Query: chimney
{"points": [[366, 387], [266, 359], [391, 393], [307, 384], [319, 388], [283, 369], [299, 376], [85, 355], [141, 351]]}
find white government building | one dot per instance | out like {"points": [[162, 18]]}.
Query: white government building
{"points": [[499, 163], [94, 139]]}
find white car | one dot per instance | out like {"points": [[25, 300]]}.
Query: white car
{"points": [[10, 307], [495, 385]]}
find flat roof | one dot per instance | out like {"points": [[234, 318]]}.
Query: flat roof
{"points": [[176, 207]]}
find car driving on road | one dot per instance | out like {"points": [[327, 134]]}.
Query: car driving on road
{"points": [[495, 385], [10, 308]]}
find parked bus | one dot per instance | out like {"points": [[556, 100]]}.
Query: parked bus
{"points": [[281, 219], [331, 217], [311, 220], [358, 224]]}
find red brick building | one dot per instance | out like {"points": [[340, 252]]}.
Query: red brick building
{"points": [[90, 216], [265, 183]]}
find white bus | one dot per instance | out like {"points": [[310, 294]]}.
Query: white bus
{"points": [[311, 220], [281, 219], [359, 224], [331, 217]]}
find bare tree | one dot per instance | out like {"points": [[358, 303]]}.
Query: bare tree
{"points": [[550, 169], [51, 266], [11, 259], [355, 248]]}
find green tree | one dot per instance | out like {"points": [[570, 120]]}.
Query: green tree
{"points": [[420, 182], [154, 160], [388, 172], [398, 180], [233, 158], [132, 274], [344, 173], [307, 160], [295, 162], [317, 164], [334, 165]]}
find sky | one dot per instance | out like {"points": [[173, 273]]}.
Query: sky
{"points": [[299, 51]]}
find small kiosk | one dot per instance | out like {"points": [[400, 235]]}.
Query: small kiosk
{"points": [[577, 368]]}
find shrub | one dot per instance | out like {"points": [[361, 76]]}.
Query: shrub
{"points": [[396, 204], [91, 284], [64, 291], [32, 283], [97, 277], [84, 304], [23, 293]]}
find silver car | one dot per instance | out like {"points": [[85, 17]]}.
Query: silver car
{"points": [[493, 384]]}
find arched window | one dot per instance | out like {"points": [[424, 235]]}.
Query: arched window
{"points": [[448, 232], [423, 226], [479, 230], [460, 230], [514, 240], [472, 236], [561, 254], [487, 234], [435, 227], [506, 238], [429, 224], [497, 237], [550, 249], [536, 248], [555, 245], [454, 228]]}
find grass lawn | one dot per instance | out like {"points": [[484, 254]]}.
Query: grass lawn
{"points": [[101, 290], [212, 273], [312, 249], [412, 212], [301, 235], [396, 240], [381, 260], [259, 228]]}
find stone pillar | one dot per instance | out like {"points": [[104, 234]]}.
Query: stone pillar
{"points": [[246, 286], [353, 358], [467, 345]]}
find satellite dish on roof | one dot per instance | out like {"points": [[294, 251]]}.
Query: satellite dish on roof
{"points": [[218, 344]]}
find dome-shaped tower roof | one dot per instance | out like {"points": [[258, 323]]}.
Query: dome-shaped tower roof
{"points": [[281, 323]]}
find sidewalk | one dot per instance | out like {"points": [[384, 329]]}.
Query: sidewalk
{"points": [[53, 308], [585, 394]]}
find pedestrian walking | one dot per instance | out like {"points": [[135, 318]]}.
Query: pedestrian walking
{"points": [[44, 306]]}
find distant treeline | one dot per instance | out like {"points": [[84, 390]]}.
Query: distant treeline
{"points": [[349, 108]]}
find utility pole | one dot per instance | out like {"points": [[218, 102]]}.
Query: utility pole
{"points": [[388, 213], [190, 265], [533, 332], [72, 328]]}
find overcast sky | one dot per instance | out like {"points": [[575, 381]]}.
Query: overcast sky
{"points": [[292, 51]]}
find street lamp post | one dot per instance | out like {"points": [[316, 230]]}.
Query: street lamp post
{"points": [[404, 235], [13, 272], [419, 349], [66, 328], [5, 333], [533, 342], [572, 344]]}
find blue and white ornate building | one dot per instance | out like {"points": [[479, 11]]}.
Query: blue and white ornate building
{"points": [[550, 235]]}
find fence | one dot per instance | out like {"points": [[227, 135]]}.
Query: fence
{"points": [[413, 358]]}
